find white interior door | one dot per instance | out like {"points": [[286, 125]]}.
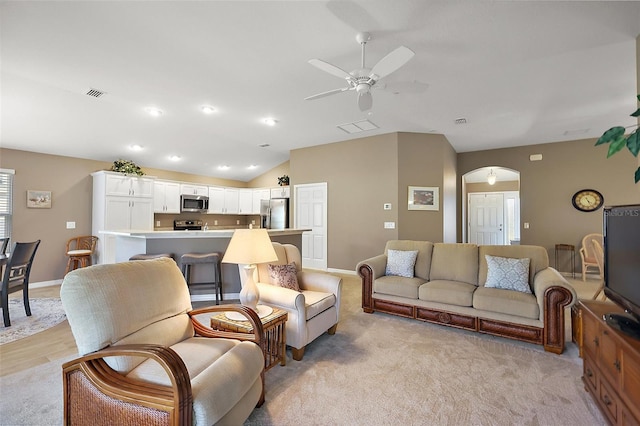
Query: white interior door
{"points": [[486, 218], [310, 206]]}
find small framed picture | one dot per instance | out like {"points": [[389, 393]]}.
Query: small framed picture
{"points": [[38, 199], [424, 198]]}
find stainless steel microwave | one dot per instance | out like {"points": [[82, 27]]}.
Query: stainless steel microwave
{"points": [[194, 203]]}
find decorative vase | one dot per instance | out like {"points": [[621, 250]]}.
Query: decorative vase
{"points": [[249, 295]]}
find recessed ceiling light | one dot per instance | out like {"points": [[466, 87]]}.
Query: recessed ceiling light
{"points": [[207, 109], [224, 167], [253, 166], [270, 121], [136, 147], [174, 157], [153, 111]]}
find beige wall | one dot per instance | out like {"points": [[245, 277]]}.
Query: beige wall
{"points": [[423, 160], [270, 178], [363, 174], [546, 187], [70, 184]]}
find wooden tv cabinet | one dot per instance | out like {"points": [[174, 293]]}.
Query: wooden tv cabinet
{"points": [[611, 370]]}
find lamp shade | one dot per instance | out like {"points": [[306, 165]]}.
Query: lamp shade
{"points": [[249, 247]]}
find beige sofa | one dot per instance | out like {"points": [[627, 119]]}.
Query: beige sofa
{"points": [[448, 287]]}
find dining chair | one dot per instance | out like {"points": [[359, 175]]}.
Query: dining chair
{"points": [[16, 276], [4, 242]]}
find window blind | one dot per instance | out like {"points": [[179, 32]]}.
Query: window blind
{"points": [[6, 203]]}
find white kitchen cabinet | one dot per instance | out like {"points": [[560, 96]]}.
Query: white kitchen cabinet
{"points": [[258, 195], [216, 200], [120, 203], [280, 192], [192, 189], [245, 201], [128, 186], [231, 201], [166, 197]]}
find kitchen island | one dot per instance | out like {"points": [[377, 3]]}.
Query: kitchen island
{"points": [[121, 245]]}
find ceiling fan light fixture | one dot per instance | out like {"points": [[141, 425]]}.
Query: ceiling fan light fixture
{"points": [[491, 177]]}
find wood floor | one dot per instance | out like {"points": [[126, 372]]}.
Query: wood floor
{"points": [[40, 348]]}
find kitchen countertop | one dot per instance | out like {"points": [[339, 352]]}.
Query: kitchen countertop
{"points": [[211, 233]]}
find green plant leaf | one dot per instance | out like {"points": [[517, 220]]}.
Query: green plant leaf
{"points": [[616, 145], [636, 113], [637, 176], [610, 135], [633, 143]]}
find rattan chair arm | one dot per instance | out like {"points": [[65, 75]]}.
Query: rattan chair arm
{"points": [[176, 399], [252, 316]]}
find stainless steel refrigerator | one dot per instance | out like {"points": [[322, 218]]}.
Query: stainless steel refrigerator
{"points": [[274, 213]]}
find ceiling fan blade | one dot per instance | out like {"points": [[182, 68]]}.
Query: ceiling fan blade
{"points": [[365, 101], [391, 62], [327, 93], [330, 68]]}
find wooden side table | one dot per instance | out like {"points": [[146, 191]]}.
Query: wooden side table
{"points": [[274, 345]]}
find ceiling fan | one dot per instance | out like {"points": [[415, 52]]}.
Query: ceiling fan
{"points": [[362, 80]]}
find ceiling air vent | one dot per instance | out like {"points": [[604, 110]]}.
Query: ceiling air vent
{"points": [[461, 121], [357, 127], [95, 93]]}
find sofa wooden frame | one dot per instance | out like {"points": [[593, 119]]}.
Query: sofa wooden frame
{"points": [[551, 336], [94, 393]]}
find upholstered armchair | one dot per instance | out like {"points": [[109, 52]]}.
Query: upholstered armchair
{"points": [[313, 310], [146, 359]]}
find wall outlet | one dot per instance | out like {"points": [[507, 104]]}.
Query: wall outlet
{"points": [[386, 206], [253, 222], [157, 224], [389, 225], [237, 222], [215, 222], [526, 225], [71, 225]]}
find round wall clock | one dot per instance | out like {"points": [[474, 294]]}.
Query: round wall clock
{"points": [[587, 200]]}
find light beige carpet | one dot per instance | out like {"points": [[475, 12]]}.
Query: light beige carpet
{"points": [[381, 370]]}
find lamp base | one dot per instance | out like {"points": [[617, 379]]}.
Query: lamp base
{"points": [[249, 295], [262, 311]]}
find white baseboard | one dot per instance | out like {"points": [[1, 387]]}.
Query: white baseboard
{"points": [[45, 283], [342, 271], [212, 297]]}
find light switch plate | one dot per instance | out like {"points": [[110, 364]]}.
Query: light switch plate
{"points": [[71, 225], [389, 225], [387, 206]]}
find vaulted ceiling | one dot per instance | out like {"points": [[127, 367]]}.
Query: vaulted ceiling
{"points": [[522, 72]]}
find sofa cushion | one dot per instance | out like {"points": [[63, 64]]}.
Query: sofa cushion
{"points": [[507, 273], [450, 292], [398, 286], [538, 255], [317, 302], [455, 262], [506, 302], [401, 262], [284, 276], [222, 371], [423, 262]]}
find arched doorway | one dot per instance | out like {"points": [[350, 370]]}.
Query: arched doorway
{"points": [[491, 206]]}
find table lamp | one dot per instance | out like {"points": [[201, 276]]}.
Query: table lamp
{"points": [[249, 247]]}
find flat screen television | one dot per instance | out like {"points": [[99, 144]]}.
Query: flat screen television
{"points": [[622, 266]]}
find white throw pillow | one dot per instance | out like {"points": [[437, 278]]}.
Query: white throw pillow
{"points": [[401, 263], [507, 273]]}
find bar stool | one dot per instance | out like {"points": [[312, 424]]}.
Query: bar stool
{"points": [[144, 256], [188, 260], [80, 250]]}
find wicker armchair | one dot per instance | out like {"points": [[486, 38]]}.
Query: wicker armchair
{"points": [[145, 357]]}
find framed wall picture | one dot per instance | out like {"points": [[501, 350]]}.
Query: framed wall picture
{"points": [[38, 199], [424, 198]]}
